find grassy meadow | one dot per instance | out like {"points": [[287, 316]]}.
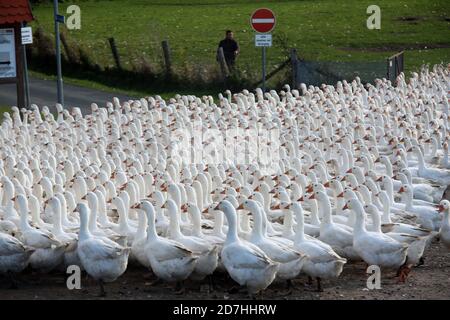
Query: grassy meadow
{"points": [[322, 30]]}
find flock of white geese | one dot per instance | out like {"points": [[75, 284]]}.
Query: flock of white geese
{"points": [[361, 174]]}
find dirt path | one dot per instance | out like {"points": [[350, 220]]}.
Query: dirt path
{"points": [[430, 281]]}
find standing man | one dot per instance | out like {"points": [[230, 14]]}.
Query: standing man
{"points": [[230, 48]]}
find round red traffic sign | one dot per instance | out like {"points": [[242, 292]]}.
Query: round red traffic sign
{"points": [[263, 20]]}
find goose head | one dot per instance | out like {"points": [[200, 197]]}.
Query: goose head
{"points": [[444, 206]]}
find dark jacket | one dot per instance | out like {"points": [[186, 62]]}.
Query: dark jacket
{"points": [[229, 46]]}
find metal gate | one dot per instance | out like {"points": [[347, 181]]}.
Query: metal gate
{"points": [[394, 66], [317, 73]]}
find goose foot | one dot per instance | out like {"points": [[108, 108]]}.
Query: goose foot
{"points": [[13, 282], [102, 289], [211, 283], [319, 285], [233, 290], [156, 282], [257, 296], [148, 276], [403, 273], [179, 288], [310, 280], [421, 262], [289, 287]]}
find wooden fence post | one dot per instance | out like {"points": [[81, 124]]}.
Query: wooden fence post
{"points": [[167, 57], [71, 56], [294, 66], [115, 53], [223, 63]]}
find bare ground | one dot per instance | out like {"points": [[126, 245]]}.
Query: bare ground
{"points": [[429, 281]]}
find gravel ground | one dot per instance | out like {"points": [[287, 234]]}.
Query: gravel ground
{"points": [[429, 281]]}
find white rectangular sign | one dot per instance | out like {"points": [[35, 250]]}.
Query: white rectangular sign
{"points": [[7, 53], [263, 40], [27, 35]]}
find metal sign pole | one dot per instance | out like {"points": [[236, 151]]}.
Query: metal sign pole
{"points": [[59, 80], [25, 73], [264, 69]]}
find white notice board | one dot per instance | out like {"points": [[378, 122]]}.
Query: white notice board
{"points": [[7, 53], [27, 35], [263, 40]]}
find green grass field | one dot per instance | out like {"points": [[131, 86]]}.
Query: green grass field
{"points": [[320, 30]]}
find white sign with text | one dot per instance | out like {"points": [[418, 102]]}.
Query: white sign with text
{"points": [[263, 40]]}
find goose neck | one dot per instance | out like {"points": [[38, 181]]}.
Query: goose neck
{"points": [[325, 208], [359, 226], [84, 231], [232, 234], [299, 230], [314, 213], [174, 223], [257, 232], [196, 222]]}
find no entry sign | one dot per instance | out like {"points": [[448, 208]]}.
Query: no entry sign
{"points": [[263, 20]]}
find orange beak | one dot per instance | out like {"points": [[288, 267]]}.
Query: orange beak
{"points": [[327, 184], [380, 178], [340, 195], [277, 207], [401, 190], [345, 207], [441, 208], [240, 207], [349, 171], [301, 199]]}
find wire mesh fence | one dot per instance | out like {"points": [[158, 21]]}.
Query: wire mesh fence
{"points": [[317, 73]]}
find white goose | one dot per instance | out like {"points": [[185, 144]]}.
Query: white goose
{"points": [[245, 263], [290, 261], [373, 247], [427, 215], [49, 252], [440, 176], [444, 232], [208, 253], [169, 260], [103, 259], [416, 245], [321, 261], [14, 256], [340, 239]]}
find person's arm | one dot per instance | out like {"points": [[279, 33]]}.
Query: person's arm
{"points": [[218, 47], [236, 51]]}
